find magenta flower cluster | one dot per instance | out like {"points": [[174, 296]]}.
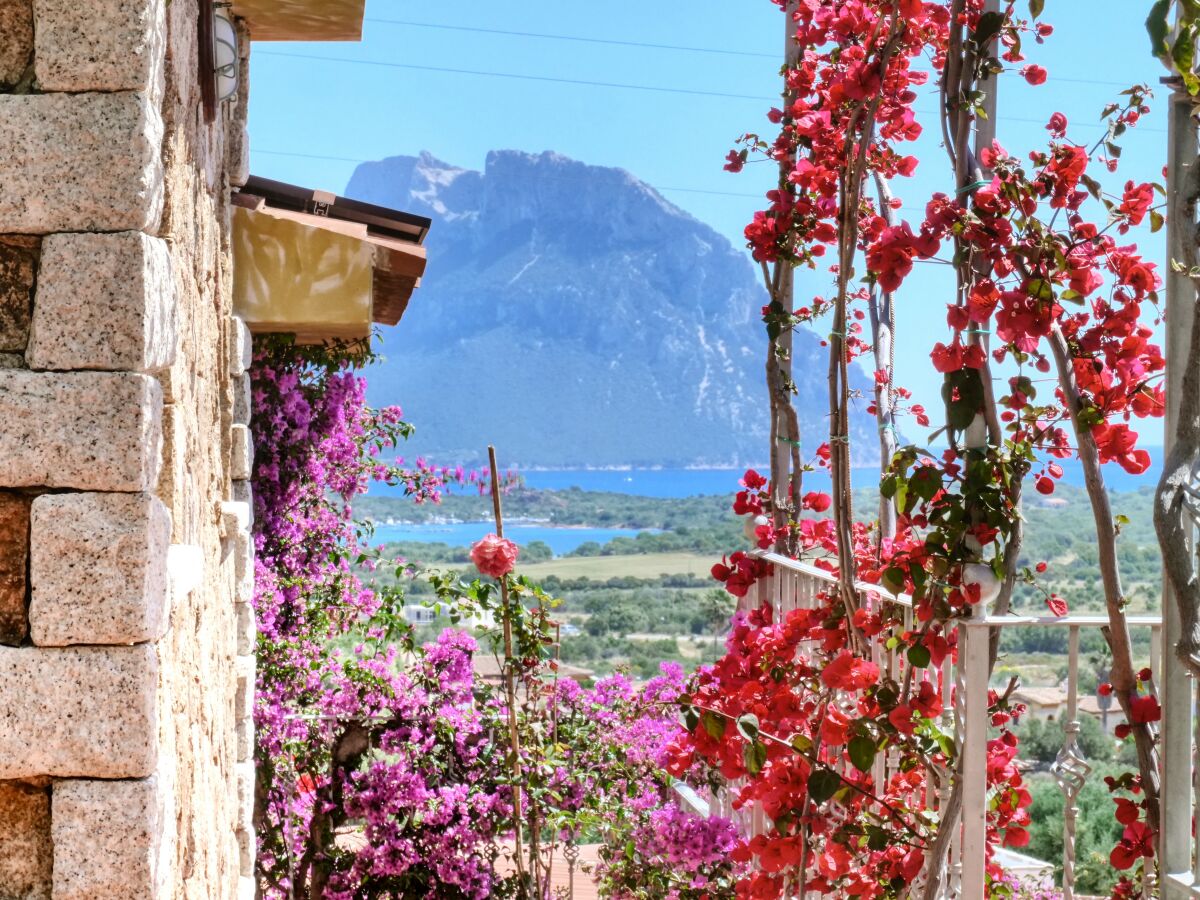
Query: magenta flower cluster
{"points": [[382, 763], [330, 663]]}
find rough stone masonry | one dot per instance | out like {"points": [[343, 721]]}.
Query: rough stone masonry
{"points": [[126, 632]]}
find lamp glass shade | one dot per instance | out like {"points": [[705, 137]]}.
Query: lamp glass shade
{"points": [[225, 45]]}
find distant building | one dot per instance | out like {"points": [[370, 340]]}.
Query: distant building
{"points": [[1049, 704], [418, 615]]}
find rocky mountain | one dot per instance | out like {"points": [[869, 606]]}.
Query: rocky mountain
{"points": [[573, 316]]}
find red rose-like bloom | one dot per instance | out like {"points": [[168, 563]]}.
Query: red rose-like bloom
{"points": [[494, 555]]}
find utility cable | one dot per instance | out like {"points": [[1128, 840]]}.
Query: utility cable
{"points": [[571, 37], [611, 84]]}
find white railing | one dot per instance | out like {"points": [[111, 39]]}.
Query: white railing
{"points": [[795, 585]]}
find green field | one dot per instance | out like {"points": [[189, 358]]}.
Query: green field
{"points": [[600, 568]]}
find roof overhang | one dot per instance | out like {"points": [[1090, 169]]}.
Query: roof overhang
{"points": [[302, 20], [320, 266]]}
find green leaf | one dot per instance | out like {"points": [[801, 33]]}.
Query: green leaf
{"points": [[1040, 289], [918, 656], [1069, 296], [1036, 7], [747, 726], [713, 724], [989, 26], [823, 784], [755, 757], [918, 576], [878, 838], [926, 481], [1158, 26], [802, 743], [1183, 54], [893, 579], [1156, 221], [862, 752], [887, 487]]}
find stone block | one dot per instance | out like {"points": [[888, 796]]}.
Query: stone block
{"points": [[97, 431], [26, 855], [243, 704], [107, 839], [242, 403], [14, 559], [16, 40], [18, 269], [235, 520], [102, 45], [79, 162], [104, 301], [244, 774], [246, 842], [244, 734], [241, 347], [172, 472], [247, 628], [243, 493], [242, 464], [78, 711], [98, 569]]}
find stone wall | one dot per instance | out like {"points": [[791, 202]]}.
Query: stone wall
{"points": [[126, 638]]}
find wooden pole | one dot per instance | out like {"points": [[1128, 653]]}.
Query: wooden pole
{"points": [[510, 686]]}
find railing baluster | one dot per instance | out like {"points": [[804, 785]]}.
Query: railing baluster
{"points": [[973, 664], [964, 690], [1070, 769]]}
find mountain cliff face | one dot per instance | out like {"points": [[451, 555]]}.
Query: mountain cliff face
{"points": [[572, 316]]}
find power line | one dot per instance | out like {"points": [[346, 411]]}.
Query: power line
{"points": [[570, 37], [614, 84], [653, 46], [607, 84]]}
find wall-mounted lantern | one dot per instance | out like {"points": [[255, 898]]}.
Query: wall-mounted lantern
{"points": [[217, 51], [225, 52]]}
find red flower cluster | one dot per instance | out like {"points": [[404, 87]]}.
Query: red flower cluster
{"points": [[739, 572]]}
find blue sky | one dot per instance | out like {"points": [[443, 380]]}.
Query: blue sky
{"points": [[311, 101]]}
